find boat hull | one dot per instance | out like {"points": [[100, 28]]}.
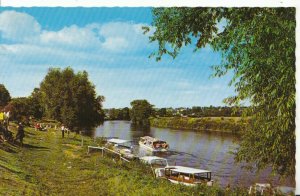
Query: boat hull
{"points": [[183, 183]]}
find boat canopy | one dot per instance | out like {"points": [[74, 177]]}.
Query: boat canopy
{"points": [[151, 159], [152, 139], [155, 161], [187, 170], [117, 141]]}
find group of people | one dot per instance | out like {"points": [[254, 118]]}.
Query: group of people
{"points": [[40, 127], [7, 135]]}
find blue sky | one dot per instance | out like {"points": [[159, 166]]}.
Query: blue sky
{"points": [[109, 44]]}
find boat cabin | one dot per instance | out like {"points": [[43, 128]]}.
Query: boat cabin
{"points": [[120, 143], [153, 144], [155, 161], [188, 175]]}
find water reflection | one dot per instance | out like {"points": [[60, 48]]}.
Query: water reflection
{"points": [[195, 149]]}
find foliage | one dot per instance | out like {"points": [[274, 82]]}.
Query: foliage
{"points": [[140, 112], [118, 114], [234, 125], [71, 99], [258, 46], [20, 109], [197, 111], [36, 108], [4, 96], [23, 108]]}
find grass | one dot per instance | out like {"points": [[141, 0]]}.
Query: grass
{"points": [[51, 165]]}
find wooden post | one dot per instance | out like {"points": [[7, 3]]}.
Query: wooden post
{"points": [[81, 138]]}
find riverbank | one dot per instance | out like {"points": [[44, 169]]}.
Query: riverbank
{"points": [[234, 125], [50, 165]]}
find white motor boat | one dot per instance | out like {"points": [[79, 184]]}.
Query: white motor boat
{"points": [[186, 175], [153, 144], [124, 147]]}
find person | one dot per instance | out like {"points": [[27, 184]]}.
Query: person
{"points": [[68, 131], [20, 134], [62, 131]]}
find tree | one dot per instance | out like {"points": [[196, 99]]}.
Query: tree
{"points": [[125, 113], [20, 109], [36, 108], [258, 46], [71, 99], [162, 112], [4, 96], [140, 112]]}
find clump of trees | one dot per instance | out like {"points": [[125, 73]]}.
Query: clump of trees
{"points": [[117, 114], [4, 96], [71, 99], [141, 112], [65, 96], [22, 108], [258, 46], [197, 111]]}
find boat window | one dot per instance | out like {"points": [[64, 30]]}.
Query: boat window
{"points": [[202, 176], [159, 163], [173, 173]]}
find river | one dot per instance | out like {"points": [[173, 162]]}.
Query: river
{"points": [[211, 151]]}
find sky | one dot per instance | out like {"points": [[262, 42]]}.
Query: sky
{"points": [[110, 45]]}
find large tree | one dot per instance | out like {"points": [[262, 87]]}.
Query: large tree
{"points": [[71, 99], [20, 109], [258, 46], [4, 96], [140, 112], [36, 108]]}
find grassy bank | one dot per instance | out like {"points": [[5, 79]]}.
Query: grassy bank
{"points": [[216, 124], [50, 165]]}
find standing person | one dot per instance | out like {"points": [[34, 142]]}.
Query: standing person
{"points": [[62, 131], [7, 115], [20, 134], [68, 131]]}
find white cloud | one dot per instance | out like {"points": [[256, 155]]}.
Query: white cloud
{"points": [[71, 37], [22, 28], [18, 26], [123, 35], [115, 43]]}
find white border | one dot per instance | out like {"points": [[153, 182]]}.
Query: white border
{"points": [[149, 3], [189, 3]]}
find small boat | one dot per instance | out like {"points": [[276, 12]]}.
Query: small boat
{"points": [[154, 161], [157, 165], [153, 144], [186, 175], [124, 147]]}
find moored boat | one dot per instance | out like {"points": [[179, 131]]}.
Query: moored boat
{"points": [[157, 164], [186, 175], [124, 147], [153, 144], [154, 161]]}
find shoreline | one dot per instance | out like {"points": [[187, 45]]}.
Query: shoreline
{"points": [[227, 125]]}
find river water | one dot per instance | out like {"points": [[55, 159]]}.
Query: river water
{"points": [[210, 151]]}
